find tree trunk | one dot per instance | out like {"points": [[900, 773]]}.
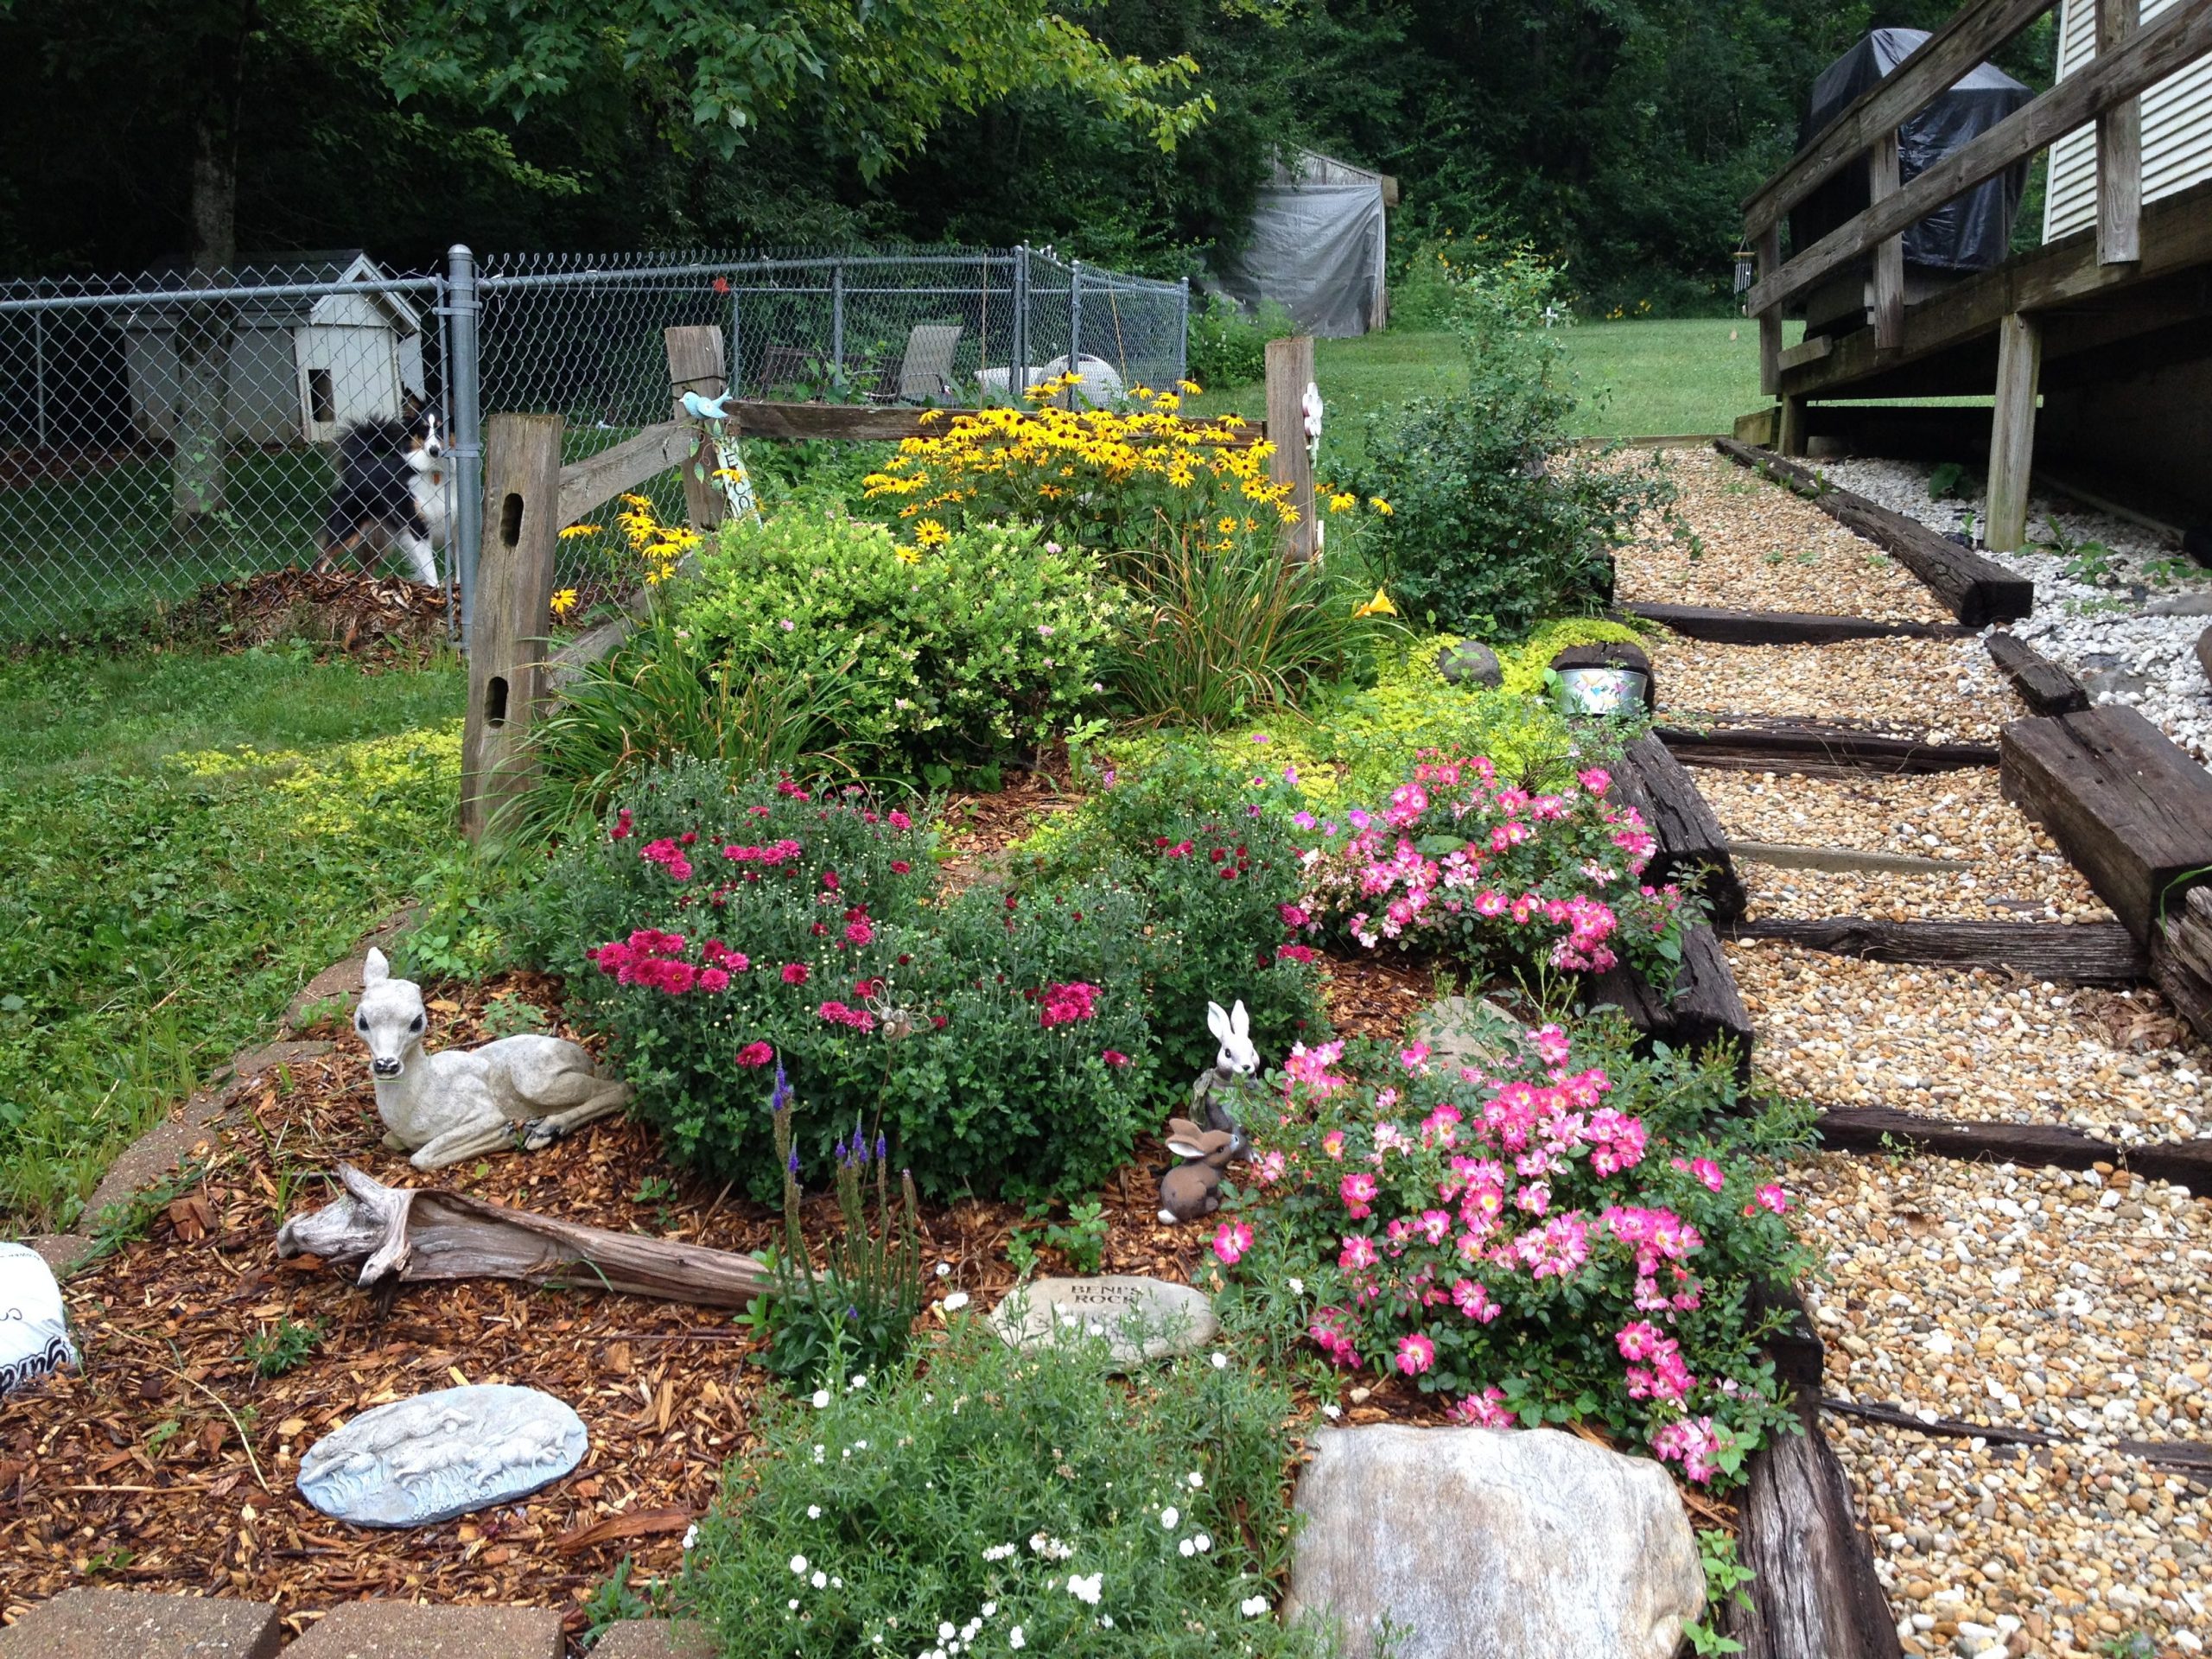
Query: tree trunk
{"points": [[203, 327]]}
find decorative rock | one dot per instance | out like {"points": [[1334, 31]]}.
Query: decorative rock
{"points": [[1141, 1318], [1482, 1543], [34, 1329], [439, 1455], [1470, 663], [125, 1624]]}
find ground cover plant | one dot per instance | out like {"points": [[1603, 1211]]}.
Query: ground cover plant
{"points": [[189, 838], [989, 1500], [1558, 1232]]}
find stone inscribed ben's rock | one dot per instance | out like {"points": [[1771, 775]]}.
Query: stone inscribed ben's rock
{"points": [[438, 1455]]}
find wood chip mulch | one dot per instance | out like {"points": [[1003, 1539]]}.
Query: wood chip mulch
{"points": [[167, 1463], [376, 619]]}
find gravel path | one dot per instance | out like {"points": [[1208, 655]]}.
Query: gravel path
{"points": [[1760, 548], [1975, 1046], [2076, 1304], [2017, 874], [2102, 624], [1946, 690]]}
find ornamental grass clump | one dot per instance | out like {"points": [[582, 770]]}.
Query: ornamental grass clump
{"points": [[1496, 876], [1561, 1233], [985, 1500]]}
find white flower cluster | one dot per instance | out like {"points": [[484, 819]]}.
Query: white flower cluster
{"points": [[997, 1552], [1051, 1548], [952, 1640]]}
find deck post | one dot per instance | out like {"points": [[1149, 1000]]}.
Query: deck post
{"points": [[2119, 148], [2013, 432], [1883, 180], [1769, 253], [1789, 435]]}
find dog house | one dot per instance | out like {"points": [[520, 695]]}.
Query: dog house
{"points": [[299, 368], [1317, 245]]}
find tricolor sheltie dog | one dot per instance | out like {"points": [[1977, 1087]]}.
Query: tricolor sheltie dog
{"points": [[391, 496]]}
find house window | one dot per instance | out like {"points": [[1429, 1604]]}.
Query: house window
{"points": [[322, 402]]}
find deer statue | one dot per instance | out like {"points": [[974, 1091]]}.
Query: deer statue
{"points": [[464, 1102]]}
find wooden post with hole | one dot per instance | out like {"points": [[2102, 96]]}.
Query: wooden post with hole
{"points": [[695, 364], [514, 596], [1290, 373], [2012, 430], [2119, 148], [1886, 179]]}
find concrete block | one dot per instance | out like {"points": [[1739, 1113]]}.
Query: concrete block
{"points": [[142, 1624], [400, 1630]]}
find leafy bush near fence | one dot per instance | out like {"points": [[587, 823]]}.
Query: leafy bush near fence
{"points": [[1497, 520], [1578, 1236], [1228, 345], [1000, 1042], [967, 648], [985, 1500]]}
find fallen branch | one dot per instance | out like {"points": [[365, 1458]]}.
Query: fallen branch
{"points": [[411, 1236]]}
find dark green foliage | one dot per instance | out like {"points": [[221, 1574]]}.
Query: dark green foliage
{"points": [[273, 1349], [1227, 347]]}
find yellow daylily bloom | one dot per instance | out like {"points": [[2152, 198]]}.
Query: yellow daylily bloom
{"points": [[1378, 606]]}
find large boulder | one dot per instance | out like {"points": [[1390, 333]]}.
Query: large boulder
{"points": [[1480, 1543]]}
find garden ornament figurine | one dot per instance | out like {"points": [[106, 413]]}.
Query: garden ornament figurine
{"points": [[1215, 1096], [464, 1102], [1190, 1190]]}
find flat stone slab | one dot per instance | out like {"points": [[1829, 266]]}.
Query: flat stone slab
{"points": [[654, 1638], [400, 1630], [1482, 1543], [438, 1455], [1141, 1318], [1785, 855], [142, 1624]]}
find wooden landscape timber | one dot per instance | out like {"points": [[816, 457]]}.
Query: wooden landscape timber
{"points": [[1817, 750], [2177, 976], [2173, 1454], [2080, 953], [2043, 685], [1976, 590], [403, 1235], [1726, 627], [1703, 1008], [2126, 805], [1814, 1594], [1692, 846], [1884, 1129]]}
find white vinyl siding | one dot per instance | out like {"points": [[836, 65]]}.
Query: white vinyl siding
{"points": [[2177, 128]]}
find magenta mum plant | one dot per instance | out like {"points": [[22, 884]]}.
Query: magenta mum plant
{"points": [[1576, 1234], [1492, 873]]}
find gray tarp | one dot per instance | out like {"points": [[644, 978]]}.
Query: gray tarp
{"points": [[1317, 249]]}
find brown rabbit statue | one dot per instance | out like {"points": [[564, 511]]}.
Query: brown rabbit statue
{"points": [[1188, 1190]]}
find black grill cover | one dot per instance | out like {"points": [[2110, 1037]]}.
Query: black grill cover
{"points": [[1971, 232]]}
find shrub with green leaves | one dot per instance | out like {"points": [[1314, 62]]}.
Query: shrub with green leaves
{"points": [[980, 648], [1228, 345], [713, 928], [1009, 1501], [1497, 520]]}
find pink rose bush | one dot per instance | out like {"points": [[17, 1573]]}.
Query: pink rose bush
{"points": [[1458, 862], [1579, 1234]]}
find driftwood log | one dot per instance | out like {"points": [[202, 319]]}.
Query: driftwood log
{"points": [[2125, 804], [1976, 590], [2043, 685], [405, 1235], [1692, 846], [1727, 627], [2080, 953]]}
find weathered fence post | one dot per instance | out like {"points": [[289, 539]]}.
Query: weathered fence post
{"points": [[1884, 178], [2012, 430], [1290, 376], [514, 594], [695, 364]]}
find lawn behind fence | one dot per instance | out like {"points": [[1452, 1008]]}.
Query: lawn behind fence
{"points": [[188, 838]]}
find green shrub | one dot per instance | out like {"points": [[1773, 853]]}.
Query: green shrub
{"points": [[1583, 1236], [1228, 346], [990, 1490], [1212, 851], [1497, 520], [978, 649], [713, 931]]}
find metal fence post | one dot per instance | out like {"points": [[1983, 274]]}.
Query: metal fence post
{"points": [[1183, 330], [837, 321], [38, 369], [1018, 377], [1075, 323], [461, 313]]}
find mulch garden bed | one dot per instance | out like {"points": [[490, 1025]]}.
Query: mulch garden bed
{"points": [[168, 1462], [380, 620]]}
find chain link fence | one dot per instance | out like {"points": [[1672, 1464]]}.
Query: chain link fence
{"points": [[160, 432]]}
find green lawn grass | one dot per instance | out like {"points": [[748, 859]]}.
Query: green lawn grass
{"points": [[187, 839], [1633, 379]]}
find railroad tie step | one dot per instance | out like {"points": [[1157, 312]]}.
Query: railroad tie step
{"points": [[401, 1630], [143, 1624]]}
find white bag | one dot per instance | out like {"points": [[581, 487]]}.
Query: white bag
{"points": [[34, 1331]]}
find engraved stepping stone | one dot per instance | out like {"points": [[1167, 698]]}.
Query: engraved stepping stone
{"points": [[438, 1455], [1141, 1318]]}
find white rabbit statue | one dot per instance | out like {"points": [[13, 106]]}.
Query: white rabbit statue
{"points": [[1235, 1077]]}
